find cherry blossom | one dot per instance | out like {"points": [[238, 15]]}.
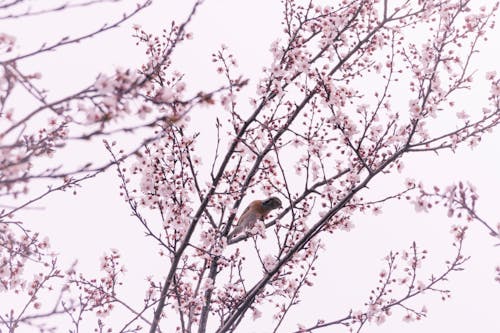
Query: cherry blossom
{"points": [[350, 91]]}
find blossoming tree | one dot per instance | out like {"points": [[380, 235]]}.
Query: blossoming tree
{"points": [[354, 87]]}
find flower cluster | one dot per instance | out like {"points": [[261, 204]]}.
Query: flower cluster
{"points": [[314, 134], [99, 294]]}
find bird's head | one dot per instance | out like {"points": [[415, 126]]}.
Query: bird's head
{"points": [[272, 203]]}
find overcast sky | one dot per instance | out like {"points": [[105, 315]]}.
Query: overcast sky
{"points": [[85, 226]]}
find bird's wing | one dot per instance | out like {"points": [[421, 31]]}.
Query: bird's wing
{"points": [[246, 210], [245, 222]]}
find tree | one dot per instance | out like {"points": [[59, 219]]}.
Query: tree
{"points": [[353, 89]]}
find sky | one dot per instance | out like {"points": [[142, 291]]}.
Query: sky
{"points": [[86, 225]]}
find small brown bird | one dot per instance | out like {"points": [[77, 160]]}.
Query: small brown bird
{"points": [[257, 209]]}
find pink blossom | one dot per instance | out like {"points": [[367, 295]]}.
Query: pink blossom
{"points": [[208, 284], [256, 314], [165, 95], [473, 142], [495, 88], [269, 261], [408, 318], [376, 211], [491, 75], [420, 205], [462, 115], [410, 183], [104, 84], [380, 318], [7, 42], [421, 286]]}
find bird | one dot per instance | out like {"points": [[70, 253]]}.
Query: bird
{"points": [[257, 209]]}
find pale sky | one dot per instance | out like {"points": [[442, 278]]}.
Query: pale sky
{"points": [[86, 225]]}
